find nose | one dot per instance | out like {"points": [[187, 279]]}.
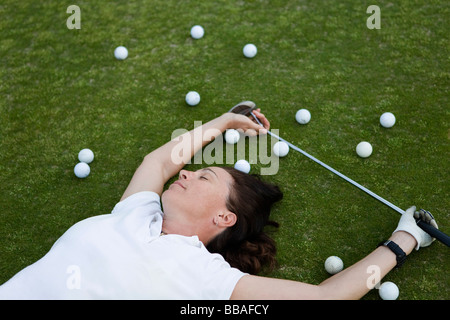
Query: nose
{"points": [[184, 174]]}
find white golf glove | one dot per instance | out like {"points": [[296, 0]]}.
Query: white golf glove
{"points": [[408, 224]]}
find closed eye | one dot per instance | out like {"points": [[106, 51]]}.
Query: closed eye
{"points": [[203, 177]]}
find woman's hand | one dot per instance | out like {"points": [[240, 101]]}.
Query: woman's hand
{"points": [[247, 124], [408, 224]]}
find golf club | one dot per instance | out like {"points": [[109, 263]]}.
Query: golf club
{"points": [[247, 107]]}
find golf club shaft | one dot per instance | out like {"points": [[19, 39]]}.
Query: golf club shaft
{"points": [[432, 231]]}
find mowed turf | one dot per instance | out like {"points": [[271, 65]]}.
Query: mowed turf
{"points": [[62, 90]]}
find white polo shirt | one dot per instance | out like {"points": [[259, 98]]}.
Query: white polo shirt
{"points": [[122, 256]]}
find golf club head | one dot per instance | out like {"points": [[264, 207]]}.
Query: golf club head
{"points": [[245, 108]]}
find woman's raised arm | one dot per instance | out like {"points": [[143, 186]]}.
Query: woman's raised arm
{"points": [[159, 165]]}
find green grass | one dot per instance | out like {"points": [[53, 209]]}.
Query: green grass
{"points": [[62, 90]]}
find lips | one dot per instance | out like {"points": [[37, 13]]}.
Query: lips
{"points": [[179, 184]]}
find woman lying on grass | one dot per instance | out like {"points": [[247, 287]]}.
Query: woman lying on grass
{"points": [[202, 238]]}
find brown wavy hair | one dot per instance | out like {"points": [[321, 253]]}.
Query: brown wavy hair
{"points": [[246, 245]]}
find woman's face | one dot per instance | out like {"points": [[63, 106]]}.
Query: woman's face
{"points": [[197, 197]]}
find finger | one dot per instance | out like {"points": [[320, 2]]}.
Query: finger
{"points": [[256, 111], [262, 130], [427, 214], [434, 224], [265, 123], [250, 132], [410, 211], [428, 217], [262, 119], [257, 129]]}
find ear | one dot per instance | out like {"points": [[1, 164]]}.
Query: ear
{"points": [[226, 219]]}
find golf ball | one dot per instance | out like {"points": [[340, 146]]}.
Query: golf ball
{"points": [[121, 53], [334, 264], [364, 149], [192, 98], [250, 50], [232, 136], [388, 291], [303, 116], [281, 149], [86, 156], [242, 165], [82, 170], [387, 120], [197, 32]]}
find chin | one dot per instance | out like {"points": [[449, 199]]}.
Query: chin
{"points": [[169, 197], [164, 195]]}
